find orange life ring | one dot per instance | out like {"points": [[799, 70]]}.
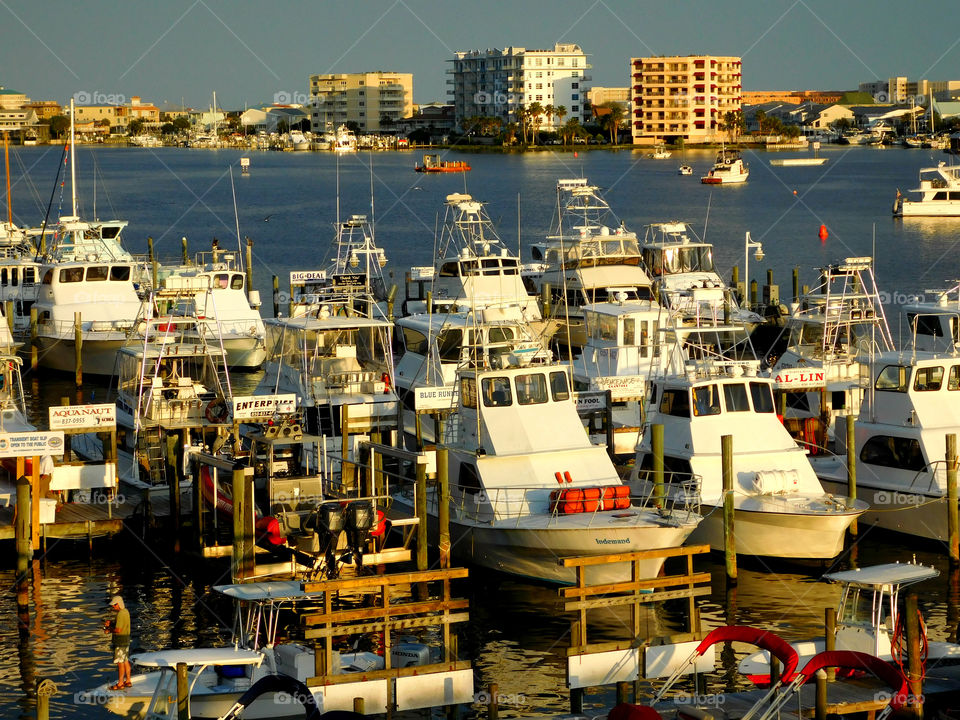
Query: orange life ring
{"points": [[216, 411]]}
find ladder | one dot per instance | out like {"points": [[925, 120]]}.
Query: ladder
{"points": [[150, 449]]}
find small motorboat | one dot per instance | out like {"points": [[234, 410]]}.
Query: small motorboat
{"points": [[685, 170]]}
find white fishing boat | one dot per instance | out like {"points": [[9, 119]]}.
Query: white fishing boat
{"points": [[729, 169], [345, 140], [589, 257], [298, 141], [868, 618], [527, 487], [937, 196], [685, 170], [661, 153], [780, 508], [474, 268]]}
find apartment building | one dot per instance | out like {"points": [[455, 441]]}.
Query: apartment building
{"points": [[683, 97], [373, 100], [900, 90], [497, 83]]}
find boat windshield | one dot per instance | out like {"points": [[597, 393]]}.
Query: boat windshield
{"points": [[674, 260], [861, 607]]}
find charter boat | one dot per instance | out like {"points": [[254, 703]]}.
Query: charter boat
{"points": [[474, 268], [729, 169], [937, 196], [433, 164], [868, 618], [528, 487], [345, 140], [935, 326], [780, 508], [661, 153], [590, 257]]}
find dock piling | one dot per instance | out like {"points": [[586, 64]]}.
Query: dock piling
{"points": [[656, 444], [820, 708], [249, 266], [830, 637], [953, 531], [914, 667], [276, 296], [443, 497], [183, 692], [851, 468], [34, 354], [186, 254], [729, 536], [78, 349], [796, 284], [493, 704], [243, 547]]}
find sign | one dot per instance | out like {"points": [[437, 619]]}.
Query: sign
{"points": [[302, 277], [433, 398], [800, 379], [423, 272], [28, 444], [349, 282], [262, 407], [590, 401], [621, 387], [85, 417]]}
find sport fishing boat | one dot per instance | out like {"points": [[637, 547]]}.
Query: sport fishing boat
{"points": [[527, 486], [780, 508], [729, 169], [937, 196]]}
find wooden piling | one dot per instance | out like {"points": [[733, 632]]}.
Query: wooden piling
{"points": [[276, 296], [358, 704], [186, 254], [735, 277], [729, 536], [820, 706], [609, 434], [421, 502], [443, 496], [183, 692], [34, 350], [243, 546], [249, 266], [774, 669], [953, 531], [796, 284], [493, 701], [830, 637], [22, 529], [391, 300], [623, 693], [290, 302], [753, 294], [545, 298], [150, 250], [914, 661], [576, 701], [656, 445], [346, 467], [852, 467], [429, 302], [78, 349], [8, 309]]}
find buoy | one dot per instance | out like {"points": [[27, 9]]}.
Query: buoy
{"points": [[823, 233], [794, 192]]}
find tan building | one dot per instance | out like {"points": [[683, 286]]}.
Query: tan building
{"points": [[683, 97], [117, 117], [791, 97], [364, 98], [45, 109], [12, 99], [600, 95]]}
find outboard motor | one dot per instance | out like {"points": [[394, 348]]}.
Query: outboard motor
{"points": [[360, 520]]}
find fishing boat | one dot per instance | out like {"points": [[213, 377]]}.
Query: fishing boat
{"points": [[528, 487], [661, 153], [729, 169], [780, 508], [868, 618], [684, 170], [938, 194], [345, 140], [433, 164]]}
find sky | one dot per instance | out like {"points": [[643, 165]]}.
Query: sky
{"points": [[249, 53]]}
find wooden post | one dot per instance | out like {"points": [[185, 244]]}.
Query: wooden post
{"points": [[830, 637], [186, 254], [796, 284], [656, 445], [183, 692], [150, 250], [421, 501], [729, 536], [545, 298], [852, 467], [820, 708], [249, 266], [8, 309], [34, 354], [623, 693], [198, 507], [24, 541], [576, 701], [358, 706], [78, 349], [953, 531], [346, 467], [276, 296], [429, 302], [35, 503], [290, 301], [608, 423], [914, 668], [443, 496], [391, 301], [493, 701], [243, 546], [155, 270], [774, 669], [753, 294], [735, 277]]}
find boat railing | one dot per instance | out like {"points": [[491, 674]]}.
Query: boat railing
{"points": [[680, 489], [635, 359], [931, 479], [91, 329]]}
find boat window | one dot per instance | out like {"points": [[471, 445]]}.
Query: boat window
{"points": [[448, 269], [510, 266], [3, 276], [762, 395], [706, 400], [414, 341], [604, 328], [925, 324], [48, 277], [628, 332], [14, 277], [857, 607], [895, 452], [652, 259], [928, 379], [953, 383], [491, 266], [940, 196], [97, 273], [892, 378], [469, 268], [676, 403], [237, 282], [71, 275], [536, 252], [675, 469], [221, 280], [469, 480], [468, 391], [796, 401], [120, 273], [531, 389], [559, 386], [500, 334], [735, 398], [449, 344], [496, 392], [29, 276]]}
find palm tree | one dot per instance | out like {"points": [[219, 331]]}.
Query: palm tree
{"points": [[613, 119], [523, 115], [535, 110], [559, 111], [549, 110], [570, 128]]}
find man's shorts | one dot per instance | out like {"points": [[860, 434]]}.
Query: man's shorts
{"points": [[121, 654]]}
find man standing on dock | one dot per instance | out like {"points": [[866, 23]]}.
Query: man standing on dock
{"points": [[120, 629]]}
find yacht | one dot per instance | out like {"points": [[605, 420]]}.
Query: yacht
{"points": [[590, 257], [528, 487], [780, 508], [937, 196], [474, 268], [345, 140], [729, 169]]}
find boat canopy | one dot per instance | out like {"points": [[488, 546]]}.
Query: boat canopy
{"points": [[254, 592], [888, 574], [198, 656]]}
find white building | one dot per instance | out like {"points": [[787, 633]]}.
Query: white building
{"points": [[496, 83]]}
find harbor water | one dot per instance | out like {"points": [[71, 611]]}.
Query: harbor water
{"points": [[288, 204]]}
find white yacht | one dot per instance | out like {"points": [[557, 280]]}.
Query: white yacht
{"points": [[729, 169], [937, 196], [527, 487], [590, 257], [780, 508], [474, 268], [345, 140]]}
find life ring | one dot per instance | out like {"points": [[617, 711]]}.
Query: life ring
{"points": [[216, 411], [385, 379]]}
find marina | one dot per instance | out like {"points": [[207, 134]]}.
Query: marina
{"points": [[504, 414]]}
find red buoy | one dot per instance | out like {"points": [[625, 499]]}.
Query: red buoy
{"points": [[823, 233]]}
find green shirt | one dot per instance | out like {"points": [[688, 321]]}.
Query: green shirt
{"points": [[121, 629]]}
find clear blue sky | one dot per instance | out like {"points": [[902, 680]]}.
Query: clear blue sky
{"points": [[250, 52]]}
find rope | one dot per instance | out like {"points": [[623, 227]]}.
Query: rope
{"points": [[47, 688], [899, 650]]}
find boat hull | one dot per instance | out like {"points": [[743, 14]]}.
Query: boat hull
{"points": [[99, 357], [902, 511], [937, 208]]}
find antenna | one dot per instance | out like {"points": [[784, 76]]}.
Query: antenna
{"points": [[518, 227], [73, 160], [707, 218], [236, 218]]}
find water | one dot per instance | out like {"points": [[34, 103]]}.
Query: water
{"points": [[287, 204]]}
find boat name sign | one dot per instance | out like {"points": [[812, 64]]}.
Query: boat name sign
{"points": [[800, 378], [258, 407], [31, 444], [81, 417], [302, 277], [590, 400], [433, 398], [422, 272], [622, 387]]}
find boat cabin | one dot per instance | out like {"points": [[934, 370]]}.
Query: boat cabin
{"points": [[104, 293]]}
